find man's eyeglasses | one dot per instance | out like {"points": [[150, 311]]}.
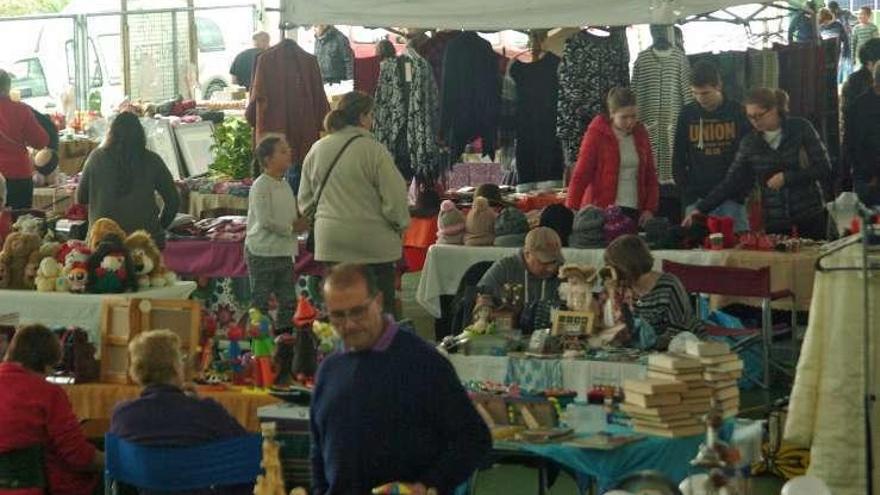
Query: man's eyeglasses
{"points": [[757, 116], [355, 313]]}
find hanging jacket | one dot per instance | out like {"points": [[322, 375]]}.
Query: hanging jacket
{"points": [[705, 145], [595, 177], [591, 65], [470, 94], [335, 56], [288, 97], [661, 82], [801, 198], [405, 118]]}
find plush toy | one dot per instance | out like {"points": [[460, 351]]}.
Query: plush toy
{"points": [[577, 290], [72, 256], [29, 224], [100, 230], [148, 265], [47, 250], [47, 275], [110, 270], [17, 250]]}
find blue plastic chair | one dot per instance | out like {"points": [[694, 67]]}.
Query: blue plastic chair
{"points": [[235, 461]]}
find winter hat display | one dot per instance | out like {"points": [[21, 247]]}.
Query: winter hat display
{"points": [[480, 224], [589, 229], [560, 219], [511, 228], [618, 223], [450, 224]]}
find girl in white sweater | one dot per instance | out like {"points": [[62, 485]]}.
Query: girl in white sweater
{"points": [[273, 223]]}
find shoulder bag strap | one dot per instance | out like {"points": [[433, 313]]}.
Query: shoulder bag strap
{"points": [[314, 208]]}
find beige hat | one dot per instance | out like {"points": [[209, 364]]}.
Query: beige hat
{"points": [[544, 243]]}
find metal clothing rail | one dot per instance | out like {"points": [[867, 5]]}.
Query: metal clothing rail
{"points": [[870, 241]]}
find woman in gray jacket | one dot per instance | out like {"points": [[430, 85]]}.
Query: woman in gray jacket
{"points": [[361, 211]]}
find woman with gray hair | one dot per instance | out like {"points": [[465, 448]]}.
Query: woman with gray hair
{"points": [[165, 415]]}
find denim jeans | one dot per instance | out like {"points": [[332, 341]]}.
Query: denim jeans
{"points": [[729, 208]]}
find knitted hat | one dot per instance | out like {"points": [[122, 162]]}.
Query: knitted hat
{"points": [[511, 228], [589, 228], [560, 219], [617, 223], [480, 224], [450, 224]]}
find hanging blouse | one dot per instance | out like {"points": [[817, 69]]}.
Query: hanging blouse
{"points": [[591, 65]]}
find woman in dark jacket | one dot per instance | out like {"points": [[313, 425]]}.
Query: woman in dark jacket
{"points": [[121, 178], [789, 163]]}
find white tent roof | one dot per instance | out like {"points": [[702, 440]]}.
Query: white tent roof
{"points": [[496, 14]]}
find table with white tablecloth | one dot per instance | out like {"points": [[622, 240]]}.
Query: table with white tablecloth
{"points": [[80, 310], [445, 266], [580, 375]]}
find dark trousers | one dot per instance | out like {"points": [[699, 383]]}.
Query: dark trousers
{"points": [[273, 275], [19, 193]]}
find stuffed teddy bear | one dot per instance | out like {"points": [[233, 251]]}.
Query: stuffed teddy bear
{"points": [[47, 275], [101, 229], [148, 265], [110, 269], [47, 250], [17, 250]]}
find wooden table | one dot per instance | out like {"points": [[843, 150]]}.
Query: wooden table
{"points": [[95, 401]]}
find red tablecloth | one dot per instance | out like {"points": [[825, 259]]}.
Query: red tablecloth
{"points": [[222, 259]]}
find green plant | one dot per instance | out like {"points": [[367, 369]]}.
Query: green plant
{"points": [[233, 149]]}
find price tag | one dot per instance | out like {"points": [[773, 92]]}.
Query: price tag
{"points": [[407, 70]]}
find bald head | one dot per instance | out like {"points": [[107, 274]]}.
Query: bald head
{"points": [[261, 40]]}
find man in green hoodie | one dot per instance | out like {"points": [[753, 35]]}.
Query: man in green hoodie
{"points": [[707, 137]]}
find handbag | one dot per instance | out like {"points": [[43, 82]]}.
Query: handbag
{"points": [[78, 356], [313, 209]]}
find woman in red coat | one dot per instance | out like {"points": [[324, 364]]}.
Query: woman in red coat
{"points": [[616, 165], [36, 413]]}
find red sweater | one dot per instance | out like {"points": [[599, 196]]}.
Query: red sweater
{"points": [[34, 411], [18, 129], [594, 180]]}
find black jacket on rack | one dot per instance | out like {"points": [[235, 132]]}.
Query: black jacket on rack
{"points": [[800, 201], [470, 94]]}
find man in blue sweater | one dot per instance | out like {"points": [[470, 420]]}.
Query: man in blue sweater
{"points": [[387, 408]]}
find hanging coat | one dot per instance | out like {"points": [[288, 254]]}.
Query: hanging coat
{"points": [[288, 97]]}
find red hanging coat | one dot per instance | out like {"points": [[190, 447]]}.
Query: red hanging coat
{"points": [[287, 97], [594, 180], [34, 411]]}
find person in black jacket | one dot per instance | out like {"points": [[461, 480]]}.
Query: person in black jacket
{"points": [[707, 136], [864, 143], [789, 163], [857, 84]]}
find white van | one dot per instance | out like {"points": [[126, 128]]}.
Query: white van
{"points": [[40, 55]]}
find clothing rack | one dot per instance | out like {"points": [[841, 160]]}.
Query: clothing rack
{"points": [[870, 241]]}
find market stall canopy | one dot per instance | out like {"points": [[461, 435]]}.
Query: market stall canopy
{"points": [[491, 15]]}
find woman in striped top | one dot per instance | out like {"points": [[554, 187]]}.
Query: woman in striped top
{"points": [[660, 298]]}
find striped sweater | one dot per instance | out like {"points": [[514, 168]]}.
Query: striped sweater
{"points": [[860, 35], [667, 308], [661, 81]]}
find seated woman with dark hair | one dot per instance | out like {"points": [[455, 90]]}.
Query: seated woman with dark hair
{"points": [[660, 299], [166, 415], [36, 414]]}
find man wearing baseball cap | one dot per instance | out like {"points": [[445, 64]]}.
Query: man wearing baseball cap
{"points": [[535, 267]]}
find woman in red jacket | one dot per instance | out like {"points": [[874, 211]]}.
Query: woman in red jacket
{"points": [[616, 165], [36, 413]]}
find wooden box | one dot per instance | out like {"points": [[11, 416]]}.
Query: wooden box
{"points": [[123, 319]]}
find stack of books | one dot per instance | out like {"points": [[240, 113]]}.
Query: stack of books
{"points": [[721, 370], [672, 400]]}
